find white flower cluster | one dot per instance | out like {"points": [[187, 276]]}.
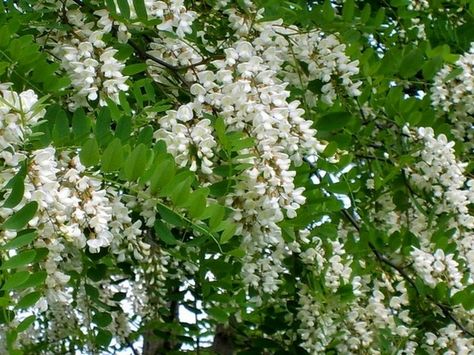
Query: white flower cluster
{"points": [[450, 341], [74, 210], [326, 61], [323, 55], [453, 92], [243, 88], [18, 113], [437, 267], [309, 315], [419, 26], [176, 52], [63, 321], [94, 71], [334, 268], [418, 5], [367, 306], [438, 171], [354, 327], [182, 133], [339, 269], [176, 18], [453, 86]]}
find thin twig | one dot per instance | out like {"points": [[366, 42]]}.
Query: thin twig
{"points": [[145, 55]]}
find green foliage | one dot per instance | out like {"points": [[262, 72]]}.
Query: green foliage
{"points": [[184, 215]]}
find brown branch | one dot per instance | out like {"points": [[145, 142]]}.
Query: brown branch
{"points": [[145, 55]]}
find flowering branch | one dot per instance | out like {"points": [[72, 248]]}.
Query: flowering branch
{"points": [[447, 312]]}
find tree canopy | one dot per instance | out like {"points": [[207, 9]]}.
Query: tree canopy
{"points": [[296, 175]]}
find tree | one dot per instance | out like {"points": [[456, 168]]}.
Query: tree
{"points": [[295, 174]]}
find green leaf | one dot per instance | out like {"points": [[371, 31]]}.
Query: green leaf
{"points": [[20, 218], [102, 319], [35, 279], [124, 129], [91, 291], [411, 63], [103, 337], [24, 258], [453, 74], [221, 188], [114, 110], [102, 128], [379, 17], [348, 10], [215, 213], [124, 8], [219, 126], [330, 149], [3, 67], [133, 69], [41, 254], [136, 163], [112, 159], [468, 302], [145, 136], [16, 280], [218, 314], [333, 121], [229, 231], [25, 323], [17, 191], [197, 202], [328, 11], [81, 126], [431, 67], [164, 172], [340, 187], [97, 272], [346, 293], [89, 153], [5, 301], [28, 300], [119, 296], [164, 233], [20, 241], [61, 129], [181, 192], [5, 36], [111, 6], [171, 216], [6, 316], [140, 9], [124, 101], [365, 14], [243, 143]]}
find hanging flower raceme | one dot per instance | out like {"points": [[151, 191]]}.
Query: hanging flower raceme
{"points": [[453, 92]]}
